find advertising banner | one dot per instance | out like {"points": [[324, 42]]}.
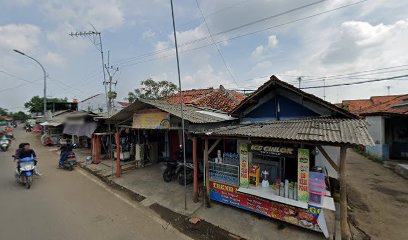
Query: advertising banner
{"points": [[151, 120], [273, 151], [227, 194], [303, 175], [243, 164]]}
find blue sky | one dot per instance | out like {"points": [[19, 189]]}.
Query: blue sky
{"points": [[138, 34]]}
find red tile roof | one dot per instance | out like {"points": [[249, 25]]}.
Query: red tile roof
{"points": [[394, 104], [220, 99]]}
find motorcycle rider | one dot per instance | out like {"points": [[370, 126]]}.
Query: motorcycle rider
{"points": [[25, 151], [65, 150]]}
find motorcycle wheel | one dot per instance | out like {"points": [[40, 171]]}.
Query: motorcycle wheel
{"points": [[189, 176], [28, 182], [167, 175]]}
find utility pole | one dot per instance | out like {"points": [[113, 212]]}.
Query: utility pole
{"points": [[324, 88], [96, 38], [299, 79], [111, 71], [181, 105], [388, 90]]}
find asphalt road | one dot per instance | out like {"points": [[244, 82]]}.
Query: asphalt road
{"points": [[69, 205]]}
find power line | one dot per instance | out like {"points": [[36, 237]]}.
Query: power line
{"points": [[15, 76], [216, 46], [237, 36], [359, 82]]}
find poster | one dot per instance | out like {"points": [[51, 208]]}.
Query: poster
{"points": [[227, 194], [243, 164], [151, 120], [303, 175]]}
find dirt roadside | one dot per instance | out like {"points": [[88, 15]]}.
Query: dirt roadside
{"points": [[378, 198]]}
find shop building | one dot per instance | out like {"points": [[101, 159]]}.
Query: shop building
{"points": [[387, 118], [289, 147]]}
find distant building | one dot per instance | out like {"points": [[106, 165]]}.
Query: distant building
{"points": [[220, 99], [387, 117]]}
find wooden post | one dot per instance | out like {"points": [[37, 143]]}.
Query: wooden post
{"points": [[345, 230], [117, 140], [207, 180], [195, 192]]}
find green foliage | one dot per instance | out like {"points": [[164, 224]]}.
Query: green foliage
{"points": [[36, 103], [153, 90], [20, 116], [3, 111]]}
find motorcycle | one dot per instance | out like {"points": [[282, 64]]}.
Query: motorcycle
{"points": [[189, 173], [70, 160], [28, 128], [4, 144], [25, 171], [172, 167]]}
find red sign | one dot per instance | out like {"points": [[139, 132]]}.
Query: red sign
{"points": [[306, 218]]}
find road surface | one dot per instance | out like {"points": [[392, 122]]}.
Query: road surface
{"points": [[69, 205]]}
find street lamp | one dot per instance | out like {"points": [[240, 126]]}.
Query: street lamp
{"points": [[45, 81]]}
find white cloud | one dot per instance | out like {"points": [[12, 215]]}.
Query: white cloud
{"points": [[260, 51], [205, 77], [54, 58], [272, 41], [148, 34], [103, 14], [22, 37]]}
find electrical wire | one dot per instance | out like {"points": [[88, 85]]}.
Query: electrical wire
{"points": [[241, 35], [216, 46]]}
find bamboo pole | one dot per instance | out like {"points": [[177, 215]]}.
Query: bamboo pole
{"points": [[207, 180], [195, 192], [345, 230]]}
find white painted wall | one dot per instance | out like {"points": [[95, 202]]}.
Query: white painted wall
{"points": [[334, 153], [376, 128]]}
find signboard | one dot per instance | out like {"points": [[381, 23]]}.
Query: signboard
{"points": [[227, 194], [243, 164], [273, 150], [303, 175], [151, 120]]}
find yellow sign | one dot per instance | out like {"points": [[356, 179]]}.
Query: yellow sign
{"points": [[303, 175], [151, 120], [243, 162]]}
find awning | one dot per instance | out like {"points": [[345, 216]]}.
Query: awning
{"points": [[80, 130]]}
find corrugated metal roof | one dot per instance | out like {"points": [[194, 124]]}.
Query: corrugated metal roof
{"points": [[324, 130], [191, 114]]}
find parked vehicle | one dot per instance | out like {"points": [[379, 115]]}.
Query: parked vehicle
{"points": [[25, 171], [28, 128], [189, 173], [4, 144], [170, 172]]}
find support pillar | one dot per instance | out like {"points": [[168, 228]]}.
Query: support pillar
{"points": [[118, 167], [345, 229], [207, 180], [195, 192]]}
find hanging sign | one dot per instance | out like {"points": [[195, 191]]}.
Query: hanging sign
{"points": [[303, 175], [151, 120], [243, 163], [273, 150]]}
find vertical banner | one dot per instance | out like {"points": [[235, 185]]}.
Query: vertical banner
{"points": [[243, 164], [303, 175]]}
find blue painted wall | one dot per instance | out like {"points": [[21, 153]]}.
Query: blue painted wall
{"points": [[288, 109]]}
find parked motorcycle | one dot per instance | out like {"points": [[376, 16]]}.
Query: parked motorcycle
{"points": [[25, 171], [28, 128], [4, 144], [189, 173], [170, 171]]}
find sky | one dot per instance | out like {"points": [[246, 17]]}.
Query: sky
{"points": [[235, 43]]}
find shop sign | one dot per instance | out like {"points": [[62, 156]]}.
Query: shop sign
{"points": [[226, 194], [244, 164], [273, 150], [151, 120], [303, 175]]}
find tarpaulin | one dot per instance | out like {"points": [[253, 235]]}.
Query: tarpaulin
{"points": [[80, 130]]}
